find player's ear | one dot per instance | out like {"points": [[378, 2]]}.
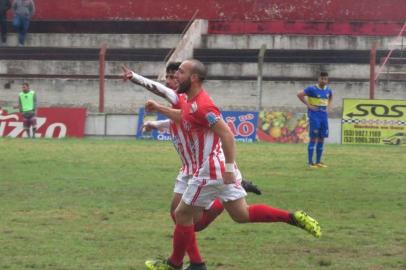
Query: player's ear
{"points": [[194, 77]]}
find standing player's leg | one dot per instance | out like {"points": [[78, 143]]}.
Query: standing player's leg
{"points": [[314, 131], [320, 144], [34, 125], [27, 125], [180, 186], [319, 152], [183, 236]]}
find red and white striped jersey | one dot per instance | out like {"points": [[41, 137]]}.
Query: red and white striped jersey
{"points": [[198, 115], [179, 140]]}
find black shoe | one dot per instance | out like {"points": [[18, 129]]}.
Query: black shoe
{"points": [[250, 187], [193, 266]]}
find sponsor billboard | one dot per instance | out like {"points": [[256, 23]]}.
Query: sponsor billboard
{"points": [[366, 121], [51, 123], [242, 124]]}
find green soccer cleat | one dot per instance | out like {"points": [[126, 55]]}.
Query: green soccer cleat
{"points": [[160, 265], [321, 165], [307, 223]]}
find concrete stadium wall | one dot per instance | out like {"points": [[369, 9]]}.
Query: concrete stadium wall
{"points": [[66, 69], [123, 97], [95, 40], [296, 42], [333, 10]]}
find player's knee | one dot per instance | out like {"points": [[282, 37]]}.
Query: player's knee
{"points": [[181, 213], [240, 218]]}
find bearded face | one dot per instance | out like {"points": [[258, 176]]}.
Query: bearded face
{"points": [[185, 85], [183, 77]]}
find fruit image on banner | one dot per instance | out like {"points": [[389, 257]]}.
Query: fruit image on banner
{"points": [[283, 127]]}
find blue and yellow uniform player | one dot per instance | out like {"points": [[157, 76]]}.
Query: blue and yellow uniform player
{"points": [[318, 99]]}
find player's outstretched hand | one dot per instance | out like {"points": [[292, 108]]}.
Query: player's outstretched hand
{"points": [[147, 126], [127, 73], [151, 106]]}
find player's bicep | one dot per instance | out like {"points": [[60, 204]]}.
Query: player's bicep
{"points": [[221, 128]]}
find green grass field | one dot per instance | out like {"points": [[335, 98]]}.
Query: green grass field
{"points": [[103, 204]]}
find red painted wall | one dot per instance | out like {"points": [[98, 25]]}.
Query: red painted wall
{"points": [[325, 10]]}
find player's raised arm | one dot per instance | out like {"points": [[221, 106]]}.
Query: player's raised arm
{"points": [[152, 86], [173, 114], [159, 124]]}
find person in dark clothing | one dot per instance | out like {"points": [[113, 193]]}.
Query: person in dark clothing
{"points": [[4, 6], [23, 11]]}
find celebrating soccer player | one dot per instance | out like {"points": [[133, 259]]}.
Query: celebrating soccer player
{"points": [[179, 138], [211, 144]]}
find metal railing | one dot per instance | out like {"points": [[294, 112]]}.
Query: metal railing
{"points": [[395, 45]]}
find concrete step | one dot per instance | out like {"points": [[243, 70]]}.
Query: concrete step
{"points": [[289, 56], [287, 71], [82, 40], [240, 95], [81, 54], [205, 55], [295, 42], [64, 68]]}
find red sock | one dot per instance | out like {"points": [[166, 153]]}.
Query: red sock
{"points": [[265, 213], [182, 238], [209, 215], [193, 251]]}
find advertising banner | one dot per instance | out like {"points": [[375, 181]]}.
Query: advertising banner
{"points": [[283, 127], [366, 121], [161, 135], [242, 124], [51, 123]]}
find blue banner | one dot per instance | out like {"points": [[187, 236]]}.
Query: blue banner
{"points": [[161, 135], [242, 124]]}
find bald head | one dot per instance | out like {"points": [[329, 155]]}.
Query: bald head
{"points": [[190, 74], [198, 68]]}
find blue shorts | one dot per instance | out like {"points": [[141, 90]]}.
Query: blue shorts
{"points": [[318, 126]]}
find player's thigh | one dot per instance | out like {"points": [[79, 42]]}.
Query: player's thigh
{"points": [[185, 213], [324, 130], [201, 192], [238, 210], [176, 198], [314, 127], [233, 196]]}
